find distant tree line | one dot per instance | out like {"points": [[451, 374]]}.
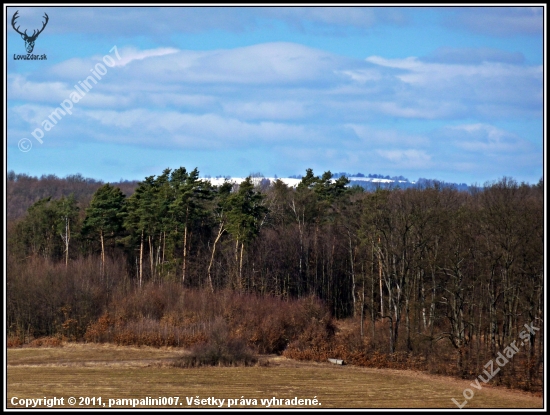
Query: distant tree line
{"points": [[22, 190]]}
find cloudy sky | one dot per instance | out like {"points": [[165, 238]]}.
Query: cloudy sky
{"points": [[448, 93]]}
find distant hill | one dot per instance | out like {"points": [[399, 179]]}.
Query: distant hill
{"points": [[369, 182]]}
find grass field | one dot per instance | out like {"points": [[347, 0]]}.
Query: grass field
{"points": [[111, 372]]}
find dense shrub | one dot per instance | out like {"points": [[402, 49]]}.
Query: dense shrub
{"points": [[220, 349], [169, 315]]}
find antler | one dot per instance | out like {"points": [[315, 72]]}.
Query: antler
{"points": [[15, 16], [34, 36], [34, 33]]}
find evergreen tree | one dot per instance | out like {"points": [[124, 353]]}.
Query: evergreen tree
{"points": [[104, 216], [36, 233], [245, 218], [188, 207], [139, 217]]}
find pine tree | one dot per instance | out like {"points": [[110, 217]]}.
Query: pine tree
{"points": [[245, 218], [139, 220], [188, 207], [104, 216]]}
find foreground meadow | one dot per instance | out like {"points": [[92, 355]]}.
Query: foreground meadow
{"points": [[113, 373]]}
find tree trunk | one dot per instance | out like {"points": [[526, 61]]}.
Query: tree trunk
{"points": [[352, 260], [220, 232], [408, 324], [235, 277], [241, 267], [141, 260], [362, 301], [185, 246], [163, 251], [66, 239], [372, 307], [380, 279], [184, 254], [151, 256], [102, 254], [159, 246]]}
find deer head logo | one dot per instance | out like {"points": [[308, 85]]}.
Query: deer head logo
{"points": [[29, 40]]}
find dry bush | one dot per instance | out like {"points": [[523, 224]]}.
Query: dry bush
{"points": [[98, 331], [141, 332], [45, 298], [220, 349], [14, 341], [316, 342], [169, 315], [47, 342], [271, 324]]}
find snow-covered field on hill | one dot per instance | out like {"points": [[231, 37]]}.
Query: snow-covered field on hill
{"points": [[293, 182]]}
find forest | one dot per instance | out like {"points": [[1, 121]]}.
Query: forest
{"points": [[430, 277]]}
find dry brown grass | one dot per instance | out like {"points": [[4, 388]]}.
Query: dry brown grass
{"points": [[115, 372]]}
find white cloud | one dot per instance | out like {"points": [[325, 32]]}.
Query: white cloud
{"points": [[128, 55], [281, 63], [426, 109], [278, 63], [486, 139], [499, 21], [437, 74], [162, 99], [406, 159], [363, 75], [446, 90], [465, 55], [195, 131], [353, 16], [273, 110], [161, 22], [287, 81], [53, 93], [372, 137], [20, 88], [80, 68], [307, 19]]}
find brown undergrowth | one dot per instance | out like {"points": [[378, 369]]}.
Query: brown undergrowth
{"points": [[168, 315], [344, 341], [231, 328]]}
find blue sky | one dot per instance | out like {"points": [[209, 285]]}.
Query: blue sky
{"points": [[448, 93]]}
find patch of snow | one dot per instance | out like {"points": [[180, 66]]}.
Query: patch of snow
{"points": [[294, 182], [238, 180]]}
